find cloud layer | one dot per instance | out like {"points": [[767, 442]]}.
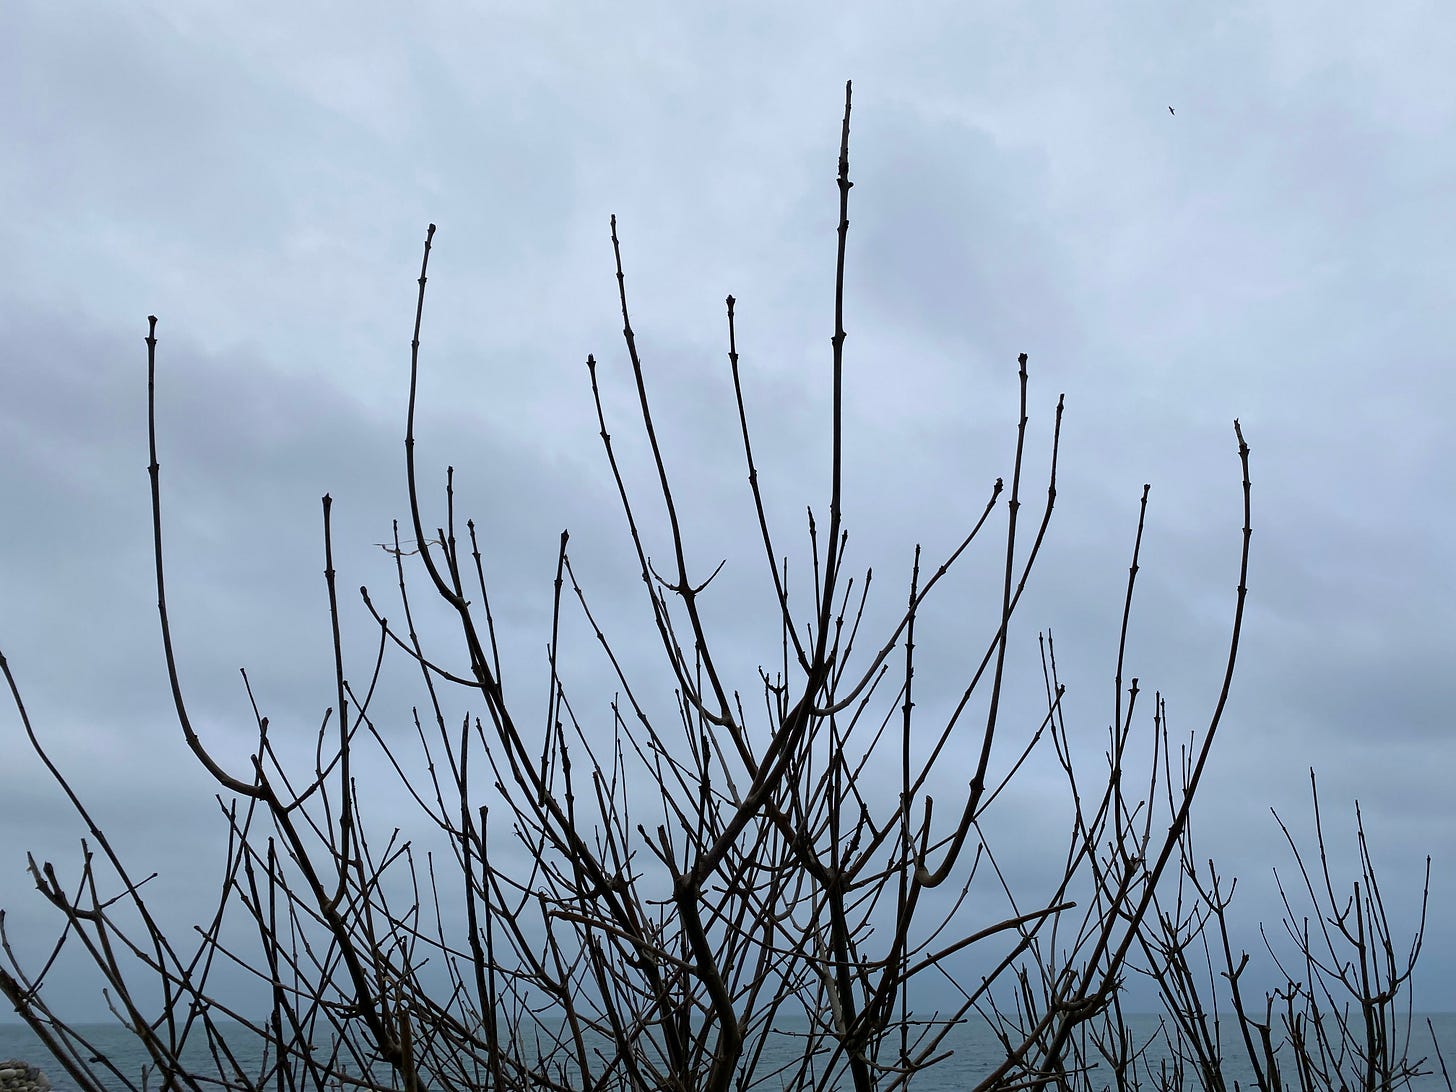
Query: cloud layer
{"points": [[1279, 250]]}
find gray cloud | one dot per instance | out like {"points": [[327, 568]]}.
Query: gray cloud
{"points": [[1279, 251]]}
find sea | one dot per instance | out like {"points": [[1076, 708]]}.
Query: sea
{"points": [[976, 1053]]}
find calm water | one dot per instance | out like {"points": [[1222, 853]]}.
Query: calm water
{"points": [[975, 1054]]}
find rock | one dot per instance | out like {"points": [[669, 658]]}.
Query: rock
{"points": [[18, 1076]]}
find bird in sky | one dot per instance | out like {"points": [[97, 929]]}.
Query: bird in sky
{"points": [[1171, 111]]}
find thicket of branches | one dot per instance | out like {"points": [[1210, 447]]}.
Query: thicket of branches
{"points": [[747, 894]]}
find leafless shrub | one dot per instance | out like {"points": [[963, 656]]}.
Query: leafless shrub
{"points": [[718, 901], [1344, 1016]]}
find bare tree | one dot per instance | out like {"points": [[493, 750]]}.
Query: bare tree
{"points": [[722, 899], [1342, 1017]]}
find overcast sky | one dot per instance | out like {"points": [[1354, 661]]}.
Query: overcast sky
{"points": [[1279, 248]]}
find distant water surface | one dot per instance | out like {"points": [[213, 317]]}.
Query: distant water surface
{"points": [[976, 1054]]}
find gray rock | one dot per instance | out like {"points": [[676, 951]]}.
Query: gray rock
{"points": [[18, 1076]]}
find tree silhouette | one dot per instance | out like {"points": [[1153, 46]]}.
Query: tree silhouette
{"points": [[723, 899]]}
